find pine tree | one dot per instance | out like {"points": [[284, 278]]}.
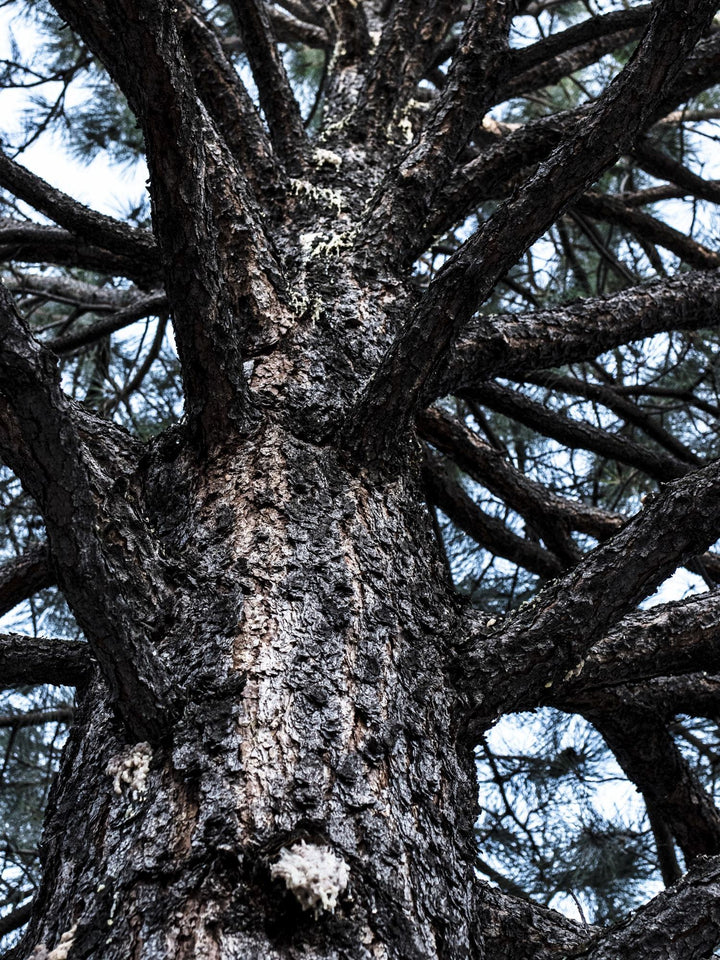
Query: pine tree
{"points": [[337, 478]]}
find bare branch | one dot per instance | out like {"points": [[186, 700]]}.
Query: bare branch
{"points": [[26, 660], [276, 97], [548, 514], [658, 163], [669, 639], [409, 39], [34, 718], [27, 242], [648, 228], [41, 438], [681, 922], [86, 224], [488, 531], [496, 171], [576, 434], [225, 98], [475, 75], [564, 53], [515, 344], [413, 366], [142, 307], [18, 918], [220, 273], [23, 576], [539, 646]]}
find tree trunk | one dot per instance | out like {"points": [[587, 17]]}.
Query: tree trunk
{"points": [[309, 638]]}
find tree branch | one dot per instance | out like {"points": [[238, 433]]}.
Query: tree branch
{"points": [[220, 274], [659, 164], [276, 97], [680, 923], [538, 646], [669, 639], [143, 306], [476, 73], [415, 364], [34, 718], [410, 38], [45, 439], [611, 398], [547, 514], [611, 210], [488, 531], [561, 54], [513, 345], [30, 660], [23, 576], [640, 740], [226, 99], [498, 168], [86, 224], [576, 434], [28, 242]]}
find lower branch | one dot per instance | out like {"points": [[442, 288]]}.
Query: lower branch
{"points": [[25, 660], [682, 923], [23, 576]]}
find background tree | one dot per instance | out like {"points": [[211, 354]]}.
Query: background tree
{"points": [[369, 224]]}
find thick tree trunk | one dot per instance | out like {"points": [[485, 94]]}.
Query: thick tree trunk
{"points": [[308, 638]]}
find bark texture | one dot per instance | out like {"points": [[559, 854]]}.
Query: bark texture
{"points": [[280, 689]]}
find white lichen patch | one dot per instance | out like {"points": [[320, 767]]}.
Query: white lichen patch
{"points": [[323, 196], [314, 874], [407, 134], [67, 940], [60, 952], [313, 244], [327, 158], [130, 769]]}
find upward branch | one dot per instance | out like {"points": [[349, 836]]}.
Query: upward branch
{"points": [[414, 365], [54, 448], [220, 273], [276, 96]]}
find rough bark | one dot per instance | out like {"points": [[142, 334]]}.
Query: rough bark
{"points": [[277, 664]]}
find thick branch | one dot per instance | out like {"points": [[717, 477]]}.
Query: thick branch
{"points": [[225, 98], [671, 638], [611, 398], [26, 660], [42, 439], [644, 748], [540, 645], [409, 40], [23, 576], [562, 54], [86, 224], [512, 345], [28, 242], [415, 364], [475, 75], [645, 227], [681, 923], [276, 97], [220, 275], [551, 516], [658, 163], [496, 171]]}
